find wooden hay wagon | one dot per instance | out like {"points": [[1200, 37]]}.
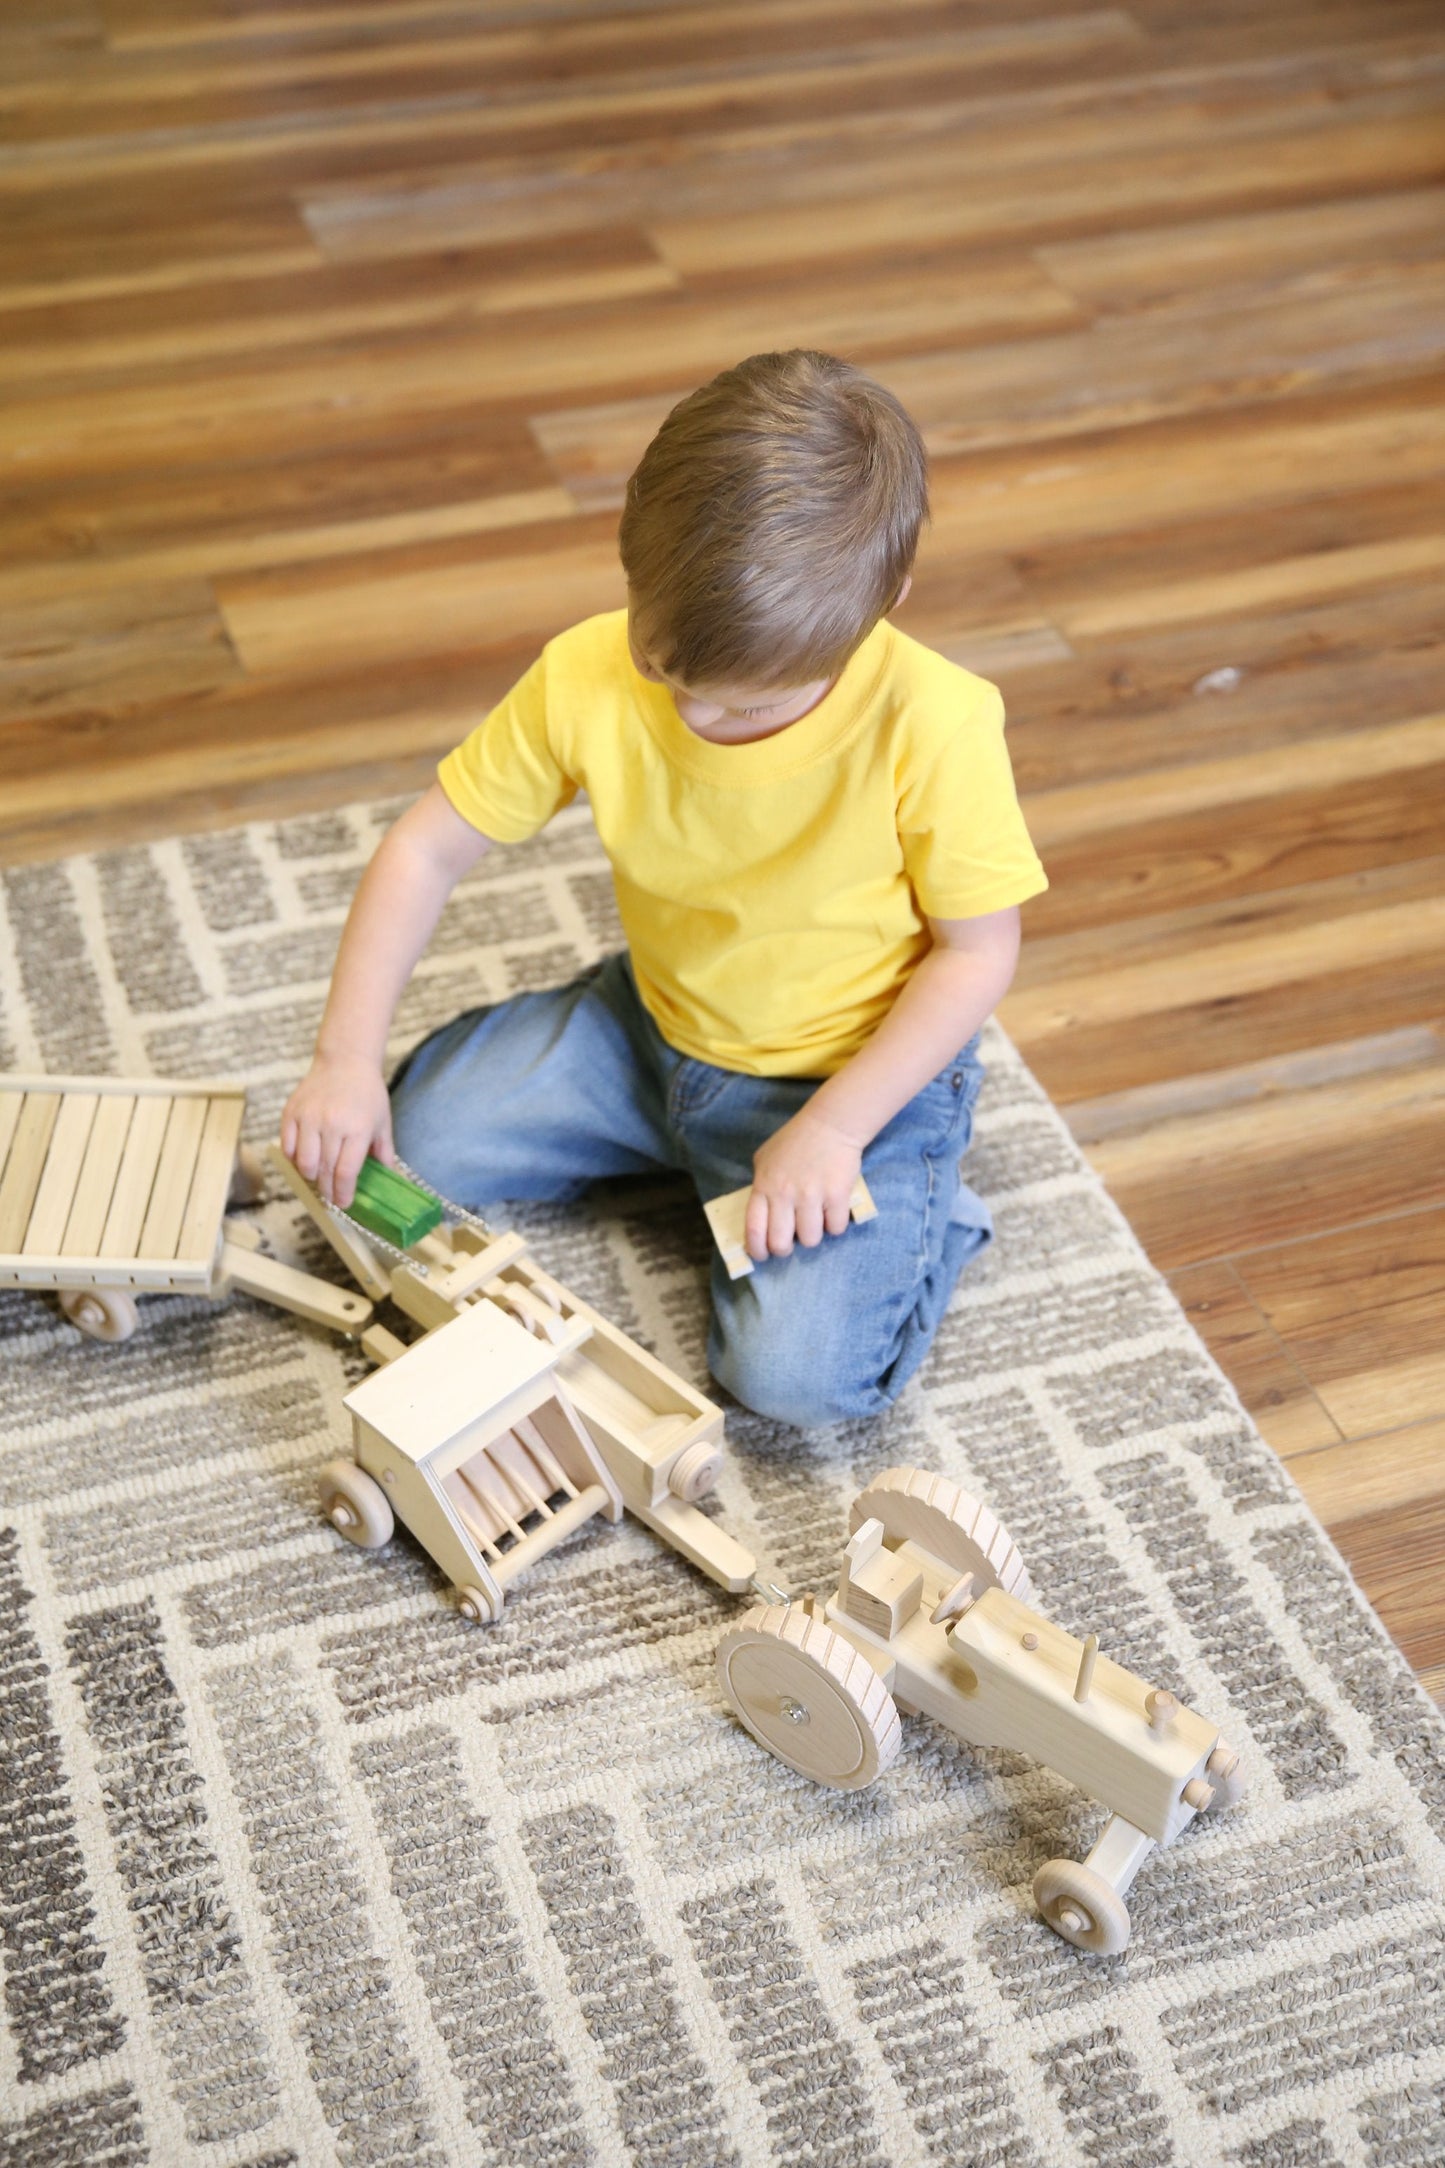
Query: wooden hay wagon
{"points": [[114, 1188]]}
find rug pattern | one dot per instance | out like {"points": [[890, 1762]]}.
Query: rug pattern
{"points": [[299, 1868]]}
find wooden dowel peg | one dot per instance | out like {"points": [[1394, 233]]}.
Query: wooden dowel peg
{"points": [[1086, 1668], [1161, 1708]]}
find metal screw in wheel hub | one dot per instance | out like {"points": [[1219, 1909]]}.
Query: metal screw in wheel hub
{"points": [[795, 1712]]}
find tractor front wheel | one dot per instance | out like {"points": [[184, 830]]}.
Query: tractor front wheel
{"points": [[1081, 1906]]}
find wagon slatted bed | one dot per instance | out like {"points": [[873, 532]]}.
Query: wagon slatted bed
{"points": [[113, 1187], [123, 1183]]}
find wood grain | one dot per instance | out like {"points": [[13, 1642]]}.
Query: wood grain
{"points": [[1362, 1312], [1224, 258], [1365, 1475], [332, 332], [1395, 1556], [1271, 1385], [1228, 1182]]}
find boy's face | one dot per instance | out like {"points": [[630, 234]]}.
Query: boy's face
{"points": [[730, 714]]}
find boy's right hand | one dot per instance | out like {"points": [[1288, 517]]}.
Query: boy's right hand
{"points": [[338, 1113]]}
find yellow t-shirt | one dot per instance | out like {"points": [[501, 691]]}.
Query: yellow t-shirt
{"points": [[774, 894]]}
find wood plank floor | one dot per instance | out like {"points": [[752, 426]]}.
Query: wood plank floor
{"points": [[330, 329]]}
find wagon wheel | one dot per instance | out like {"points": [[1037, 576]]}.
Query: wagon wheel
{"points": [[355, 1505], [1081, 1906], [106, 1313], [946, 1521], [808, 1696]]}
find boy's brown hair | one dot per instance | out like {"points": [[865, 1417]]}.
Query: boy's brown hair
{"points": [[771, 522]]}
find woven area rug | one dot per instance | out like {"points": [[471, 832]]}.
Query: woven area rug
{"points": [[301, 1868]]}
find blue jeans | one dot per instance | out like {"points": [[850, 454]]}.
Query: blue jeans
{"points": [[544, 1093]]}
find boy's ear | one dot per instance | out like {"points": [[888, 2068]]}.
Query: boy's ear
{"points": [[902, 595]]}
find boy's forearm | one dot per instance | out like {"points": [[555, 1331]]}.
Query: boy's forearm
{"points": [[379, 949], [393, 915], [941, 1007]]}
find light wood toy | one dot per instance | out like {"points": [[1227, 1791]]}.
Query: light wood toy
{"points": [[932, 1615], [471, 1438], [444, 1441], [727, 1217], [111, 1188]]}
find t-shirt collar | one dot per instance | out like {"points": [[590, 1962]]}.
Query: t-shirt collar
{"points": [[784, 752]]}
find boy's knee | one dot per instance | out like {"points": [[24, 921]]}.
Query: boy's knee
{"points": [[791, 1374], [421, 1115]]}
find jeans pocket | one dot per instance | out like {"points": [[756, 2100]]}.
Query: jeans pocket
{"points": [[951, 1097]]}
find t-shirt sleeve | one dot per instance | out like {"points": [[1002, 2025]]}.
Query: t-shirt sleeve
{"points": [[506, 778], [965, 844]]}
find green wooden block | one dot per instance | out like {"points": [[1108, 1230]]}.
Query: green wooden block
{"points": [[387, 1204]]}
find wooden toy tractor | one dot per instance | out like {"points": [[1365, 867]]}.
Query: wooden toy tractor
{"points": [[932, 1615]]}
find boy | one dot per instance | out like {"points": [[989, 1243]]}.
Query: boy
{"points": [[818, 858]]}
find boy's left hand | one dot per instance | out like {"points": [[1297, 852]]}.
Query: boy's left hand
{"points": [[803, 1181]]}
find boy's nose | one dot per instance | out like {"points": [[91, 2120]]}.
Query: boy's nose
{"points": [[698, 713]]}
